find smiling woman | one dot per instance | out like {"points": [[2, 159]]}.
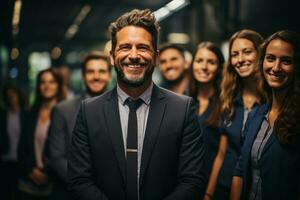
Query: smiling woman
{"points": [[273, 133], [205, 77], [278, 64], [241, 95], [35, 182]]}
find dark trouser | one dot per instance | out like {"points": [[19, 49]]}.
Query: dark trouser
{"points": [[25, 196], [59, 191], [221, 193], [9, 174]]}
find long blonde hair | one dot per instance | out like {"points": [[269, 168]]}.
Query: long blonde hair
{"points": [[232, 83]]}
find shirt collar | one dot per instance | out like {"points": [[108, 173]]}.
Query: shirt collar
{"points": [[146, 96]]}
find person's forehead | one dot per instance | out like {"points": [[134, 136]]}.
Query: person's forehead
{"points": [[133, 33], [96, 63], [171, 52]]}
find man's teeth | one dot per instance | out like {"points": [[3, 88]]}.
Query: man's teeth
{"points": [[134, 66]]}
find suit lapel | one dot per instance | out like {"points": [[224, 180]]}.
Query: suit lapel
{"points": [[251, 135], [156, 113], [254, 126], [269, 143], [115, 131]]}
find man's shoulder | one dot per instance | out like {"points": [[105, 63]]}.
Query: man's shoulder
{"points": [[172, 96], [69, 104], [98, 100]]}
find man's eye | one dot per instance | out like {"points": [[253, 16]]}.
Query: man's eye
{"points": [[123, 48]]}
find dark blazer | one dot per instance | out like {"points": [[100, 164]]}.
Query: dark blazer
{"points": [[211, 136], [279, 165], [26, 155], [233, 130], [172, 158], [63, 119]]}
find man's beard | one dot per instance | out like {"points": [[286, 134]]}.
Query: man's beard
{"points": [[175, 81], [133, 83], [93, 94]]}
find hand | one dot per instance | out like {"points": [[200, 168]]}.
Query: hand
{"points": [[45, 161], [38, 177], [207, 196]]}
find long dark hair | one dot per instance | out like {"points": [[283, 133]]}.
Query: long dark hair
{"points": [[213, 119], [21, 97], [287, 126], [38, 96]]}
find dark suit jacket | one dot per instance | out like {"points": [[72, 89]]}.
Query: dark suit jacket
{"points": [[62, 123], [26, 155], [172, 157], [233, 131], [279, 165], [59, 137]]}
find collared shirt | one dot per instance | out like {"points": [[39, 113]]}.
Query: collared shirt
{"points": [[142, 117], [259, 143]]}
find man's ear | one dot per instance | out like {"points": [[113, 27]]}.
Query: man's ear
{"points": [[111, 55]]}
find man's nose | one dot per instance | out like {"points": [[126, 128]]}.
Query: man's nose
{"points": [[133, 53]]}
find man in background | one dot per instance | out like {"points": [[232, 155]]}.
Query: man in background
{"points": [[174, 68], [96, 73]]}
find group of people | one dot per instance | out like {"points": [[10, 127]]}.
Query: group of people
{"points": [[215, 129]]}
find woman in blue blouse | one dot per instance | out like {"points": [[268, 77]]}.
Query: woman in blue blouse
{"points": [[206, 69], [241, 94], [269, 166]]}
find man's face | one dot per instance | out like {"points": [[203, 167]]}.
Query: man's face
{"points": [[134, 56], [172, 65], [96, 76]]}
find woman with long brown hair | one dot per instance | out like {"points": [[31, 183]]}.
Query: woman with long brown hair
{"points": [[205, 77], [241, 94], [269, 165], [34, 183]]}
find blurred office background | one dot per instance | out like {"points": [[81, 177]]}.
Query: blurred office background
{"points": [[37, 34]]}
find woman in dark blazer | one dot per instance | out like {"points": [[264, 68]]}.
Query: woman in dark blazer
{"points": [[11, 117], [269, 165], [241, 95], [34, 183], [205, 77]]}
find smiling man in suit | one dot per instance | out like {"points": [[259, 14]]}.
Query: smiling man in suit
{"points": [[137, 141]]}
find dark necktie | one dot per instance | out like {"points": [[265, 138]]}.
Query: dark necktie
{"points": [[132, 149]]}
